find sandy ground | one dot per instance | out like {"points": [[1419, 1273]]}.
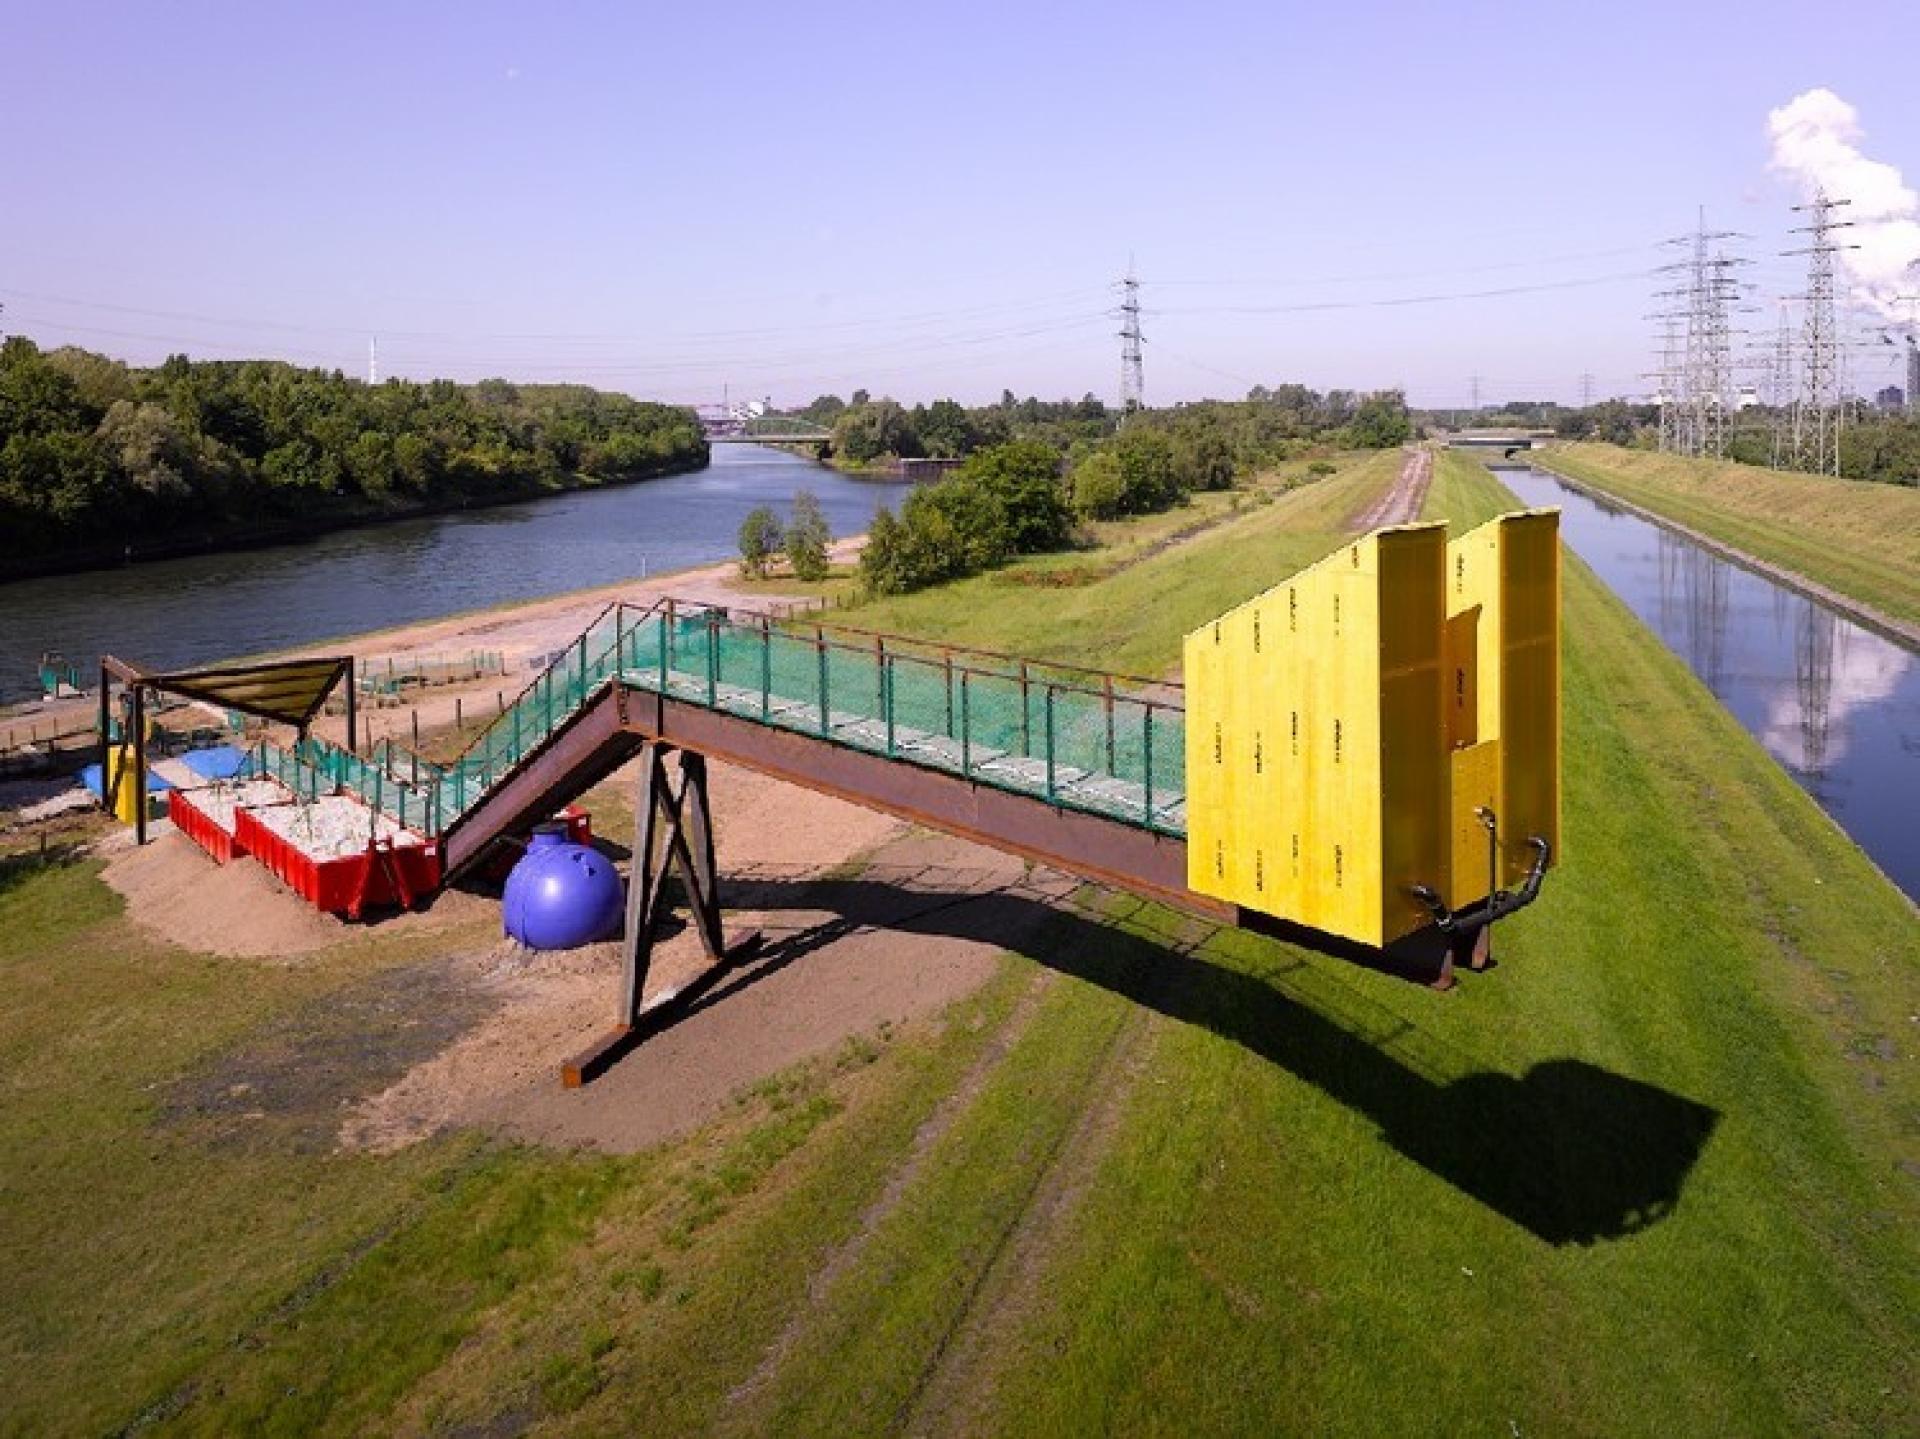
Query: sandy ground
{"points": [[176, 893], [834, 888]]}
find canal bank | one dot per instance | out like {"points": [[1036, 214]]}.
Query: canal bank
{"points": [[203, 608], [1835, 702], [1901, 632]]}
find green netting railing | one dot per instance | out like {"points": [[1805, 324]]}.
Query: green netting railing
{"points": [[314, 768], [1075, 738]]}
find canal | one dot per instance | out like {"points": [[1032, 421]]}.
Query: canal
{"points": [[1836, 704], [208, 607]]}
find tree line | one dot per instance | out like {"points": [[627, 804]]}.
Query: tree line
{"points": [[1032, 471], [96, 455], [1268, 426]]}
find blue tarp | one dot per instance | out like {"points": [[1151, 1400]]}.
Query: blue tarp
{"points": [[221, 761], [90, 777]]}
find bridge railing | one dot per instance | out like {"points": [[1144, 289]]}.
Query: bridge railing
{"points": [[1076, 738]]}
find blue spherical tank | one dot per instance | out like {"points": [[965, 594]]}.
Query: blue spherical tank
{"points": [[561, 895]]}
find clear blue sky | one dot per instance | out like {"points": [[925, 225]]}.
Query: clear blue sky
{"points": [[797, 198]]}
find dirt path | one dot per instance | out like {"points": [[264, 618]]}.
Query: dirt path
{"points": [[1402, 502]]}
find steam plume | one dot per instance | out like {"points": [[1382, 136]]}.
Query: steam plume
{"points": [[1816, 140]]}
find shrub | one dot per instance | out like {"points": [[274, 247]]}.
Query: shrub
{"points": [[807, 538]]}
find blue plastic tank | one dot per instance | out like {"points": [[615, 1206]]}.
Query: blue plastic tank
{"points": [[562, 895]]}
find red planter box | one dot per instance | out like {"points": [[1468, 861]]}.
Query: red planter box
{"points": [[197, 827], [349, 884]]}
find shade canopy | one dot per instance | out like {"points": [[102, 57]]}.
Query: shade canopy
{"points": [[287, 691]]}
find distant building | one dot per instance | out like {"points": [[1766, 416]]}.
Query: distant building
{"points": [[1748, 398], [1891, 398]]}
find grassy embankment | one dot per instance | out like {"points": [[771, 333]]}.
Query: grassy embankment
{"points": [[1111, 546], [1174, 1183], [1856, 537]]}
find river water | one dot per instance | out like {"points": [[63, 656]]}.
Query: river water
{"points": [[1837, 705], [208, 607]]}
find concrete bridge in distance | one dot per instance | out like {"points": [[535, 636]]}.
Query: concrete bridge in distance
{"points": [[1504, 440]]}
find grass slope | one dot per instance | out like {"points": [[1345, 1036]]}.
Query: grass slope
{"points": [[1859, 538], [1127, 608], [1656, 1173]]}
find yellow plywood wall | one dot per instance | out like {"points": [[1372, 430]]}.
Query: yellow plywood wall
{"points": [[1503, 718], [1308, 794], [1343, 727]]}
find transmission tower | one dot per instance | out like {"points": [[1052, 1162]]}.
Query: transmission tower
{"points": [[1666, 375], [373, 360], [1817, 414], [1133, 385], [1700, 369], [1586, 390], [1780, 386]]}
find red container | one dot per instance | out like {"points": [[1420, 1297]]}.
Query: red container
{"points": [[507, 851], [351, 884], [196, 826]]}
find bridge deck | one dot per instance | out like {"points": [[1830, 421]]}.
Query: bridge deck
{"points": [[1075, 741]]}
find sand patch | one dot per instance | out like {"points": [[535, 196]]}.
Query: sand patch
{"points": [[878, 925], [177, 894]]}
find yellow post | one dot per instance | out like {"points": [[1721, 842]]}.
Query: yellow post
{"points": [[123, 783]]}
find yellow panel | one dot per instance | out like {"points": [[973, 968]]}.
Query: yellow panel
{"points": [[1302, 688], [1411, 742], [1530, 687], [1344, 727], [1476, 786], [1503, 649]]}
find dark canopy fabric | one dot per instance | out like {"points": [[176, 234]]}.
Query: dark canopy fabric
{"points": [[289, 691]]}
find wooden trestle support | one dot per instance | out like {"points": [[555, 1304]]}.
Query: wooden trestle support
{"points": [[673, 830]]}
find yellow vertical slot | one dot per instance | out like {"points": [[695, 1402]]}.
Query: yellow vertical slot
{"points": [[1530, 686], [1413, 776]]}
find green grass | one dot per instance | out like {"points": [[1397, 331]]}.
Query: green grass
{"points": [[1645, 1177], [1131, 621], [1854, 536]]}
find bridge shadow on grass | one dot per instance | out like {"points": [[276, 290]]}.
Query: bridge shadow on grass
{"points": [[1571, 1152]]}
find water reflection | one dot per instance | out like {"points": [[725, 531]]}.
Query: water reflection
{"points": [[1838, 705]]}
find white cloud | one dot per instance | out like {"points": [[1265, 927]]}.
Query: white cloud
{"points": [[1816, 140]]}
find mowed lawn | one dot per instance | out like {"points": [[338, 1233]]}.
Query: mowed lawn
{"points": [[1658, 1172], [1854, 536]]}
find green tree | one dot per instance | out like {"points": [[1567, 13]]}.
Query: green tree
{"points": [[760, 541], [1022, 478], [870, 430], [1099, 487], [1380, 421], [807, 538], [945, 430]]}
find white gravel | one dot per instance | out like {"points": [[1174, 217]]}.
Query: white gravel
{"points": [[332, 826], [219, 801]]}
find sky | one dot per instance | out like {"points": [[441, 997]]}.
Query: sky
{"points": [[682, 201]]}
